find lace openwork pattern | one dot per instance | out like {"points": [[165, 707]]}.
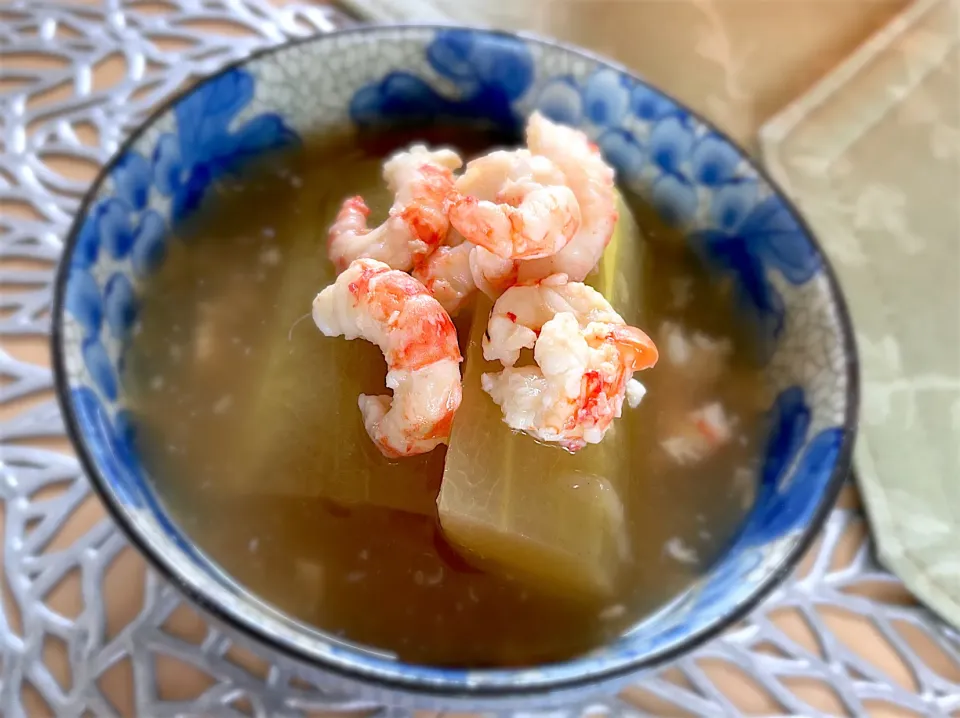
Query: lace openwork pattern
{"points": [[87, 629]]}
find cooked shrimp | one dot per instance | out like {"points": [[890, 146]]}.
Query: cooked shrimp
{"points": [[591, 180], [514, 204], [527, 221], [421, 179], [447, 275], [458, 268], [522, 310], [394, 311], [701, 433], [485, 176], [579, 385], [493, 275], [585, 354]]}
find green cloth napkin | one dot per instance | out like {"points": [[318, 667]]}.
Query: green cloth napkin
{"points": [[872, 156]]}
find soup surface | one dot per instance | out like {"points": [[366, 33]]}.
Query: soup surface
{"points": [[248, 422]]}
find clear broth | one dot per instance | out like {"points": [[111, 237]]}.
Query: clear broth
{"points": [[244, 409]]}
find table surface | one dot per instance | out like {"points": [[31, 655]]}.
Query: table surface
{"points": [[86, 626]]}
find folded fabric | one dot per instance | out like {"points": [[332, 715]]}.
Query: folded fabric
{"points": [[872, 156]]}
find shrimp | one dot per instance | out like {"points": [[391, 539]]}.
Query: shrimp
{"points": [[421, 179], [394, 311], [514, 204], [585, 358], [485, 176], [492, 274], [591, 180], [452, 273], [702, 432], [447, 275], [522, 310], [458, 268]]}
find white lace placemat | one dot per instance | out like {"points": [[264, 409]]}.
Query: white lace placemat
{"points": [[87, 629]]}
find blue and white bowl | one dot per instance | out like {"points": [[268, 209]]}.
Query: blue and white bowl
{"points": [[693, 175]]}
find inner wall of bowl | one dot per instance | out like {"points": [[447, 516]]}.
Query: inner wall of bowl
{"points": [[411, 76]]}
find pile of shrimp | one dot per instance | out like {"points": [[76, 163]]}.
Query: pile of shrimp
{"points": [[524, 227]]}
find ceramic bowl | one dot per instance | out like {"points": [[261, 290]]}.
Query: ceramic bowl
{"points": [[695, 177]]}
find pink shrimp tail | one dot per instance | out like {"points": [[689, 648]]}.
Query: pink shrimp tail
{"points": [[641, 352]]}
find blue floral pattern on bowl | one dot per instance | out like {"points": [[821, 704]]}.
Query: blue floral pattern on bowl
{"points": [[490, 73], [740, 224]]}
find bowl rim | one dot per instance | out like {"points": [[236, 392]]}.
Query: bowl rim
{"points": [[350, 662]]}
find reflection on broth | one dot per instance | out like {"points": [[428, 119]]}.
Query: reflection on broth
{"points": [[249, 425]]}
